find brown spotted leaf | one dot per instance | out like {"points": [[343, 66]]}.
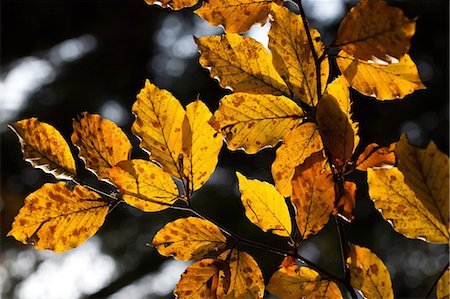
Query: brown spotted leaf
{"points": [[301, 282], [189, 238], [375, 156], [199, 280], [45, 148], [369, 274], [173, 4], [58, 218], [102, 143]]}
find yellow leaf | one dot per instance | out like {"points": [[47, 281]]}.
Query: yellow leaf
{"points": [[338, 131], [159, 120], [240, 63], [292, 54], [101, 142], [236, 16], [300, 282], [201, 144], [252, 122], [313, 194], [264, 206], [189, 238], [298, 145], [442, 289], [144, 185], [368, 273], [58, 218], [399, 205], [173, 4], [244, 280], [375, 156], [426, 172], [384, 82], [45, 148], [375, 29], [199, 280]]}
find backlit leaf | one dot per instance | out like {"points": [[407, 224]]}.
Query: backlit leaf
{"points": [[174, 4], [300, 282], [241, 63], [264, 206], [313, 194], [399, 204], [374, 29], [58, 218], [159, 120], [298, 145], [375, 156], [201, 145], [144, 185], [189, 238], [245, 279], [384, 82], [292, 54], [442, 289], [368, 273], [347, 202], [45, 148], [199, 280], [338, 131], [102, 143], [236, 16], [252, 122]]}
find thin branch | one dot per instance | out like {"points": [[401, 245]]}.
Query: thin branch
{"points": [[436, 281], [342, 243]]}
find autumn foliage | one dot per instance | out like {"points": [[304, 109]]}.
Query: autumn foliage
{"points": [[286, 94]]}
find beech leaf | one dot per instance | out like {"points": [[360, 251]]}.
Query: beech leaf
{"points": [[347, 202], [173, 4], [442, 289], [199, 280], [375, 156]]}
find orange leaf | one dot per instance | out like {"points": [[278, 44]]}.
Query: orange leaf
{"points": [[173, 4], [347, 202], [375, 156]]}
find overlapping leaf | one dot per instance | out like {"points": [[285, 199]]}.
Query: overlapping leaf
{"points": [[144, 185], [264, 206], [252, 122], [236, 16], [384, 82], [300, 282], [174, 4], [375, 156], [374, 29], [240, 63], [347, 202], [199, 280], [102, 143], [293, 57], [313, 194], [442, 289], [189, 238], [58, 218], [338, 131], [45, 148], [368, 273], [244, 279]]}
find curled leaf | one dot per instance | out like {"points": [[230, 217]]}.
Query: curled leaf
{"points": [[375, 157], [173, 4], [347, 202]]}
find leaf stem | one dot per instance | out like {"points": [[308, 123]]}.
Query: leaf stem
{"points": [[436, 281]]}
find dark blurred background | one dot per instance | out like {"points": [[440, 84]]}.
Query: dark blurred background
{"points": [[60, 58]]}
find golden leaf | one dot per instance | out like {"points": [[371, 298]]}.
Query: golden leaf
{"points": [[159, 120], [45, 148], [264, 206], [313, 194], [199, 280], [252, 122], [375, 156], [201, 144], [292, 54], [300, 282], [236, 16], [101, 142], [426, 172], [442, 289], [240, 63], [399, 205], [58, 218], [374, 29], [384, 82], [189, 238], [144, 185], [245, 279], [173, 4], [338, 131], [298, 145], [347, 202], [368, 273]]}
